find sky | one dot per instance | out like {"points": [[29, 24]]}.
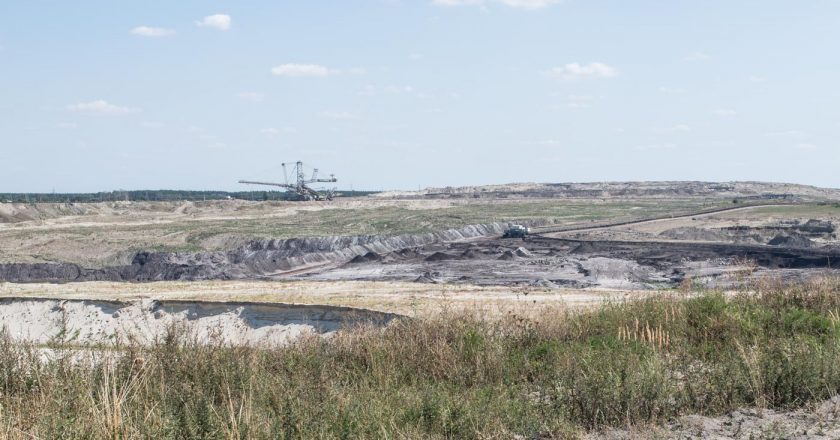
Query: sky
{"points": [[401, 94]]}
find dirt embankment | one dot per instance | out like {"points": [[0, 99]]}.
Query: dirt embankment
{"points": [[258, 259], [87, 322]]}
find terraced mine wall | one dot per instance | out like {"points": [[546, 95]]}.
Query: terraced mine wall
{"points": [[260, 259]]}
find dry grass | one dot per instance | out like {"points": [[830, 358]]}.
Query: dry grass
{"points": [[457, 375], [106, 234]]}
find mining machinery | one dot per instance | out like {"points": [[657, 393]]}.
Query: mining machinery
{"points": [[516, 231], [300, 189]]}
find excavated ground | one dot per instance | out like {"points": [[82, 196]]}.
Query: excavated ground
{"points": [[476, 255], [86, 322], [551, 262]]}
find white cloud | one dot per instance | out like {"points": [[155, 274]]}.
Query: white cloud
{"points": [[529, 4], [805, 146], [524, 4], [757, 78], [251, 96], [302, 70], [67, 125], [574, 71], [724, 112], [341, 116], [697, 56], [146, 31], [217, 21], [100, 106]]}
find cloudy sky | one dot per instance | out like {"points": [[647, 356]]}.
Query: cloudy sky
{"points": [[388, 94]]}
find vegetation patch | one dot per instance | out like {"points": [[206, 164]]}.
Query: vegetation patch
{"points": [[557, 375]]}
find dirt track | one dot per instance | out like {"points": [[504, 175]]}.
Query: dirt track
{"points": [[554, 231]]}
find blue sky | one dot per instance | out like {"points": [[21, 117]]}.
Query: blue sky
{"points": [[390, 94]]}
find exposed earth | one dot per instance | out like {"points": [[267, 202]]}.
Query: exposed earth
{"points": [[234, 272], [717, 249], [87, 322], [632, 238]]}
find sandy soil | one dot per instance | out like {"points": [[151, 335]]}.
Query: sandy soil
{"points": [[98, 322], [411, 299]]}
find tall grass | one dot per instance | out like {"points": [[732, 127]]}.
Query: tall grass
{"points": [[454, 376]]}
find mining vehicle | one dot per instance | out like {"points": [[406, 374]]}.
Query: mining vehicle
{"points": [[516, 231]]}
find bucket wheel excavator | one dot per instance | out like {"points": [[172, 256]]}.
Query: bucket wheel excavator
{"points": [[300, 189]]}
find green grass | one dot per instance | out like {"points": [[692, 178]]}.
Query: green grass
{"points": [[398, 220], [455, 376]]}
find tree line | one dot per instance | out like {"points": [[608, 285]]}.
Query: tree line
{"points": [[156, 196]]}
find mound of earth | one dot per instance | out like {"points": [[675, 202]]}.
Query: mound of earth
{"points": [[522, 252], [793, 241], [366, 258], [508, 255], [439, 256]]}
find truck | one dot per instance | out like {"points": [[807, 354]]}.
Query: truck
{"points": [[516, 231]]}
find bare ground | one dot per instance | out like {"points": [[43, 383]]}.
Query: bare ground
{"points": [[821, 422]]}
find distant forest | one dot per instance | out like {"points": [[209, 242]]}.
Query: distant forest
{"points": [[156, 196]]}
